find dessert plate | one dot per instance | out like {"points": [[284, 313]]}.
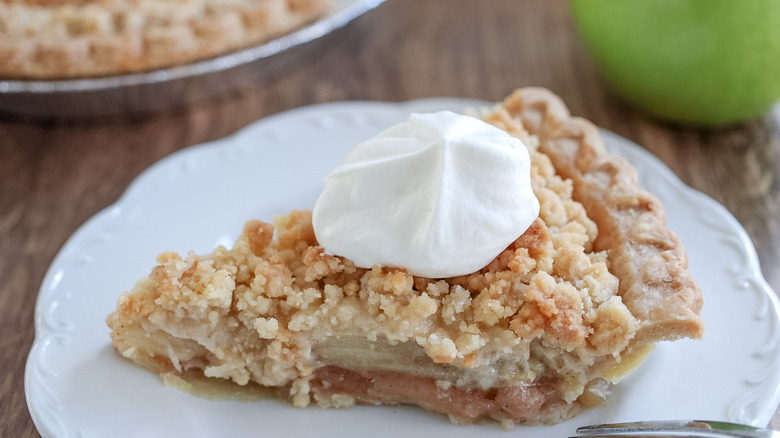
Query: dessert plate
{"points": [[77, 386]]}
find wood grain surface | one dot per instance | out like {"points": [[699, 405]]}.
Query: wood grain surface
{"points": [[54, 175]]}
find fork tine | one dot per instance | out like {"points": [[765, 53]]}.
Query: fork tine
{"points": [[676, 428], [690, 424], [651, 434], [637, 435]]}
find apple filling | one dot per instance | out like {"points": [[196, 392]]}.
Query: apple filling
{"points": [[381, 373]]}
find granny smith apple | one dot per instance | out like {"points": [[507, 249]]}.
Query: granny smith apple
{"points": [[694, 61]]}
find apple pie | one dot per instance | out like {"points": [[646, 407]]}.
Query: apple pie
{"points": [[565, 311], [45, 39]]}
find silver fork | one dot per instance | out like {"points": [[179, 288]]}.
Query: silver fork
{"points": [[675, 428]]}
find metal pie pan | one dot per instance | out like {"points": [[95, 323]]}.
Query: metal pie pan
{"points": [[144, 92]]}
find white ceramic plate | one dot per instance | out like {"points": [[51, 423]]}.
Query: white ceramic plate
{"points": [[200, 197]]}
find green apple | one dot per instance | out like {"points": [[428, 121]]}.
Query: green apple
{"points": [[705, 62]]}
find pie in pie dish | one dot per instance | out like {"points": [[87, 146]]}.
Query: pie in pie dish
{"points": [[541, 332], [48, 39]]}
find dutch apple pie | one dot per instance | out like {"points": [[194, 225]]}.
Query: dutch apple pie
{"points": [[569, 308]]}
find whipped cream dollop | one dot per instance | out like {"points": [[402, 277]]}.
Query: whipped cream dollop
{"points": [[440, 195]]}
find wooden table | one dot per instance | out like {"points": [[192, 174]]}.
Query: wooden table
{"points": [[55, 175]]}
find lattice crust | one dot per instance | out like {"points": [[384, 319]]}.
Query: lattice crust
{"points": [[82, 38]]}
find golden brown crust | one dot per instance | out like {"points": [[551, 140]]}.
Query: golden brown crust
{"points": [[644, 254], [45, 39]]}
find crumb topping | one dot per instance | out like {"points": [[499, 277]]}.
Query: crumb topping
{"points": [[277, 293]]}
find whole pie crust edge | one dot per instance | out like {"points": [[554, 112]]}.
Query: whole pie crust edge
{"points": [[106, 53]]}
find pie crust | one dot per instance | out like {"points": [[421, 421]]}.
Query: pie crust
{"points": [[48, 39], [572, 306]]}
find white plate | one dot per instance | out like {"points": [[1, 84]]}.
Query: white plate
{"points": [[200, 197]]}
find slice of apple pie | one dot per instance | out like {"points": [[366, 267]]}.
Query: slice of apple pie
{"points": [[570, 307]]}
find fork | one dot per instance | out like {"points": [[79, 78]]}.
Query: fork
{"points": [[675, 428]]}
